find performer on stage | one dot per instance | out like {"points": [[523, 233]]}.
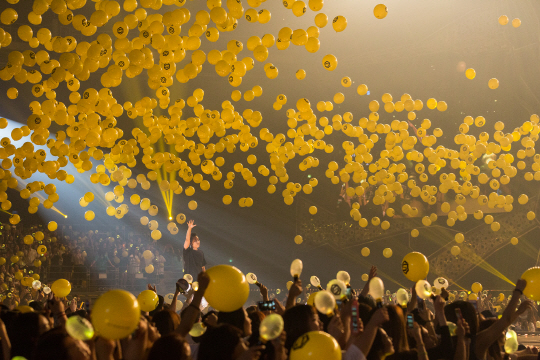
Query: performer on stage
{"points": [[194, 261]]}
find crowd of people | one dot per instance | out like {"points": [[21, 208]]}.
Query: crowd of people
{"points": [[447, 326], [34, 251]]}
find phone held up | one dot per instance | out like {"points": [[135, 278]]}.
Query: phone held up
{"points": [[266, 305]]}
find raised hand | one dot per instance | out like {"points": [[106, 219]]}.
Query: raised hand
{"points": [[191, 224], [520, 284], [204, 280], [296, 289], [372, 272], [524, 306], [153, 288]]}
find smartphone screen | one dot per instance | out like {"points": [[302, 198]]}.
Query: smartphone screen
{"points": [[266, 305], [410, 321], [354, 313]]}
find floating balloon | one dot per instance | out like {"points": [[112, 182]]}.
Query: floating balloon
{"points": [[532, 290], [115, 314], [228, 289], [316, 345], [476, 287], [415, 266], [380, 11], [148, 300], [61, 288]]}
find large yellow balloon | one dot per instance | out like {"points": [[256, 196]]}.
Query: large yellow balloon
{"points": [[315, 345], [61, 288], [532, 290], [415, 266], [115, 314], [148, 300], [228, 289]]}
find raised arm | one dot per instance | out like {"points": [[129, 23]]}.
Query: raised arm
{"points": [[191, 314], [372, 274], [485, 338], [191, 225]]}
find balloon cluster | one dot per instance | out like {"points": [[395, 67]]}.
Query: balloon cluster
{"points": [[89, 129]]}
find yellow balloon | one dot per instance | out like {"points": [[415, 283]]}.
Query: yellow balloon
{"points": [[298, 239], [470, 73], [365, 251], [339, 23], [315, 345], [89, 215], [476, 287], [493, 83], [192, 205], [387, 253], [228, 289], [52, 226], [42, 249], [115, 314], [455, 250], [380, 11], [61, 288], [329, 62], [155, 234], [415, 266], [148, 300]]}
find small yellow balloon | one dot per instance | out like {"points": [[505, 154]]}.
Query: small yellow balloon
{"points": [[52, 226], [329, 62], [89, 215], [470, 73], [476, 287], [192, 205], [312, 210], [298, 239], [514, 241], [493, 83], [365, 251], [380, 11]]}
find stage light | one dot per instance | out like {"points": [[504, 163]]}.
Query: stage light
{"points": [[170, 217], [65, 216]]}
